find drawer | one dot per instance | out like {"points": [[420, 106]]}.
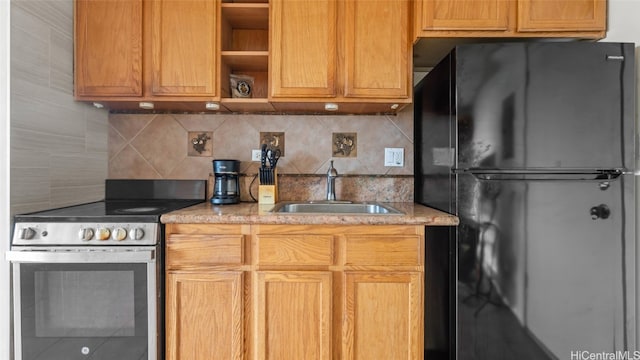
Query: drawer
{"points": [[203, 250], [284, 249], [384, 250]]}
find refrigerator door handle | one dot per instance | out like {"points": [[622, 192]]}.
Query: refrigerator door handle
{"points": [[542, 175]]}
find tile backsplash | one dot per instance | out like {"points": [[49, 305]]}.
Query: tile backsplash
{"points": [[155, 146]]}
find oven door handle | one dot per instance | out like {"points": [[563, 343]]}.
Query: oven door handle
{"points": [[40, 256]]}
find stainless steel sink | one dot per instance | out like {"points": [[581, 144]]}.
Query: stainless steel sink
{"points": [[334, 208]]}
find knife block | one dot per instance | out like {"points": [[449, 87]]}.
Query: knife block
{"points": [[268, 194]]}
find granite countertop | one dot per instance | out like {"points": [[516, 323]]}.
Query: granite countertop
{"points": [[253, 213]]}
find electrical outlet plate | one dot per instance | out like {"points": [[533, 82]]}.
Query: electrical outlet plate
{"points": [[394, 157], [256, 155]]}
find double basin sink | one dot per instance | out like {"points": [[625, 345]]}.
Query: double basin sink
{"points": [[334, 207]]}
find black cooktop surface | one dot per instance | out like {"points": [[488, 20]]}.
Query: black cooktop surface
{"points": [[109, 211], [128, 201]]}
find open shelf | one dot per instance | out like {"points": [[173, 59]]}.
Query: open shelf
{"points": [[246, 60], [246, 16], [245, 51]]}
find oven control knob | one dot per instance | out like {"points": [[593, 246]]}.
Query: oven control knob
{"points": [[27, 233], [103, 234], [136, 233], [86, 234], [119, 234]]}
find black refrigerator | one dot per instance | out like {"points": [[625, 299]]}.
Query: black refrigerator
{"points": [[533, 146]]}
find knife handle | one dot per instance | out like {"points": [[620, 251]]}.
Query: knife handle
{"points": [[263, 156]]}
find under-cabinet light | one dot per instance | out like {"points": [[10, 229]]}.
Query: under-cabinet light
{"points": [[146, 105], [212, 106], [331, 107]]}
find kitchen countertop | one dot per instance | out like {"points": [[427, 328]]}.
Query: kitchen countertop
{"points": [[253, 213]]}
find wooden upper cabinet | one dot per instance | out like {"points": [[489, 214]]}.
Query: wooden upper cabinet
{"points": [[377, 49], [565, 15], [510, 18], [184, 47], [343, 50], [108, 48], [464, 15], [303, 48]]}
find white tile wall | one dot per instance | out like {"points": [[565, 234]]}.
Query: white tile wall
{"points": [[59, 150]]}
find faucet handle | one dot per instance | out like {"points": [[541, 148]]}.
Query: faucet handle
{"points": [[332, 171]]}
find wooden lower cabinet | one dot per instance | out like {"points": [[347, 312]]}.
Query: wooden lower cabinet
{"points": [[293, 312], [279, 292], [204, 316], [382, 316]]}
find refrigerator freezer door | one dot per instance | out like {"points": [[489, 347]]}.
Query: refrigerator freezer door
{"points": [[545, 267], [545, 106]]}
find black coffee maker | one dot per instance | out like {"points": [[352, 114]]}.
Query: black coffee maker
{"points": [[226, 187]]}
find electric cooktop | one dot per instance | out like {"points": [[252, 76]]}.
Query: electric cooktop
{"points": [[128, 201]]}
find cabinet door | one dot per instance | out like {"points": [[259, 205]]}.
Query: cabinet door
{"points": [[303, 48], [383, 316], [562, 15], [377, 49], [204, 316], [464, 15], [184, 47], [293, 310], [108, 48]]}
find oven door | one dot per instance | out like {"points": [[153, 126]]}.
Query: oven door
{"points": [[97, 303]]}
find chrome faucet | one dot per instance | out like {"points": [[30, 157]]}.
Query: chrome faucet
{"points": [[332, 174]]}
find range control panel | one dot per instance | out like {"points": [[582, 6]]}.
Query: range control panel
{"points": [[85, 234]]}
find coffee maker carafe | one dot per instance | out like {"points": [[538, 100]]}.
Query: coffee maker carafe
{"points": [[226, 187]]}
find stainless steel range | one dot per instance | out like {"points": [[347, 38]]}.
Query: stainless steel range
{"points": [[88, 279]]}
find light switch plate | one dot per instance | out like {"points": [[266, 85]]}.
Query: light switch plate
{"points": [[394, 157]]}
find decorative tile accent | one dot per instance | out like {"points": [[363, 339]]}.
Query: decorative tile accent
{"points": [[274, 141], [344, 145], [199, 143]]}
